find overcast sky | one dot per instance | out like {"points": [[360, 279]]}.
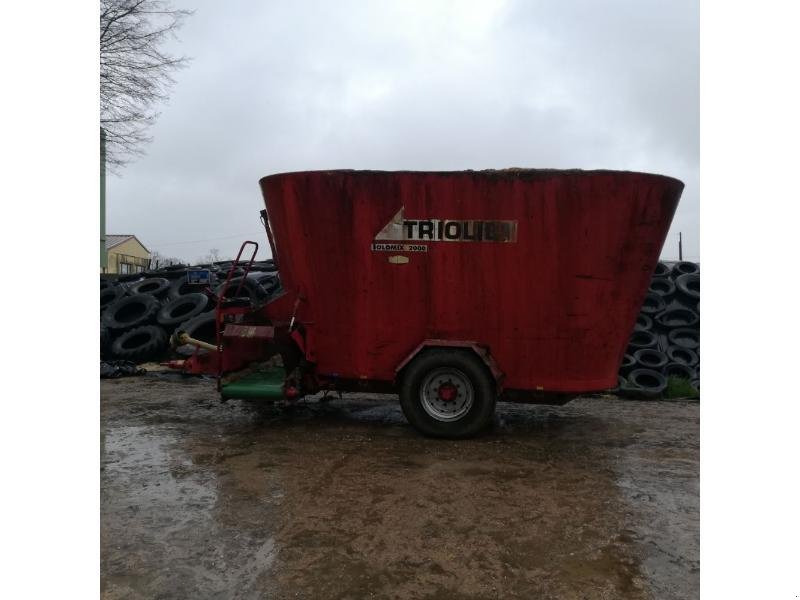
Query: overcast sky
{"points": [[295, 85]]}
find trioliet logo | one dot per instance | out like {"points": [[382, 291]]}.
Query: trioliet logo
{"points": [[400, 230]]}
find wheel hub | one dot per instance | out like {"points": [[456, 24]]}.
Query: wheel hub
{"points": [[446, 394]]}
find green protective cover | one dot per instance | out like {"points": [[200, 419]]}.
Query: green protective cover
{"points": [[266, 385]]}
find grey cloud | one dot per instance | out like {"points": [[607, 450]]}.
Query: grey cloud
{"points": [[402, 85]]}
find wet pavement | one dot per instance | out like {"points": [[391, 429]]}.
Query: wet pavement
{"points": [[595, 499]]}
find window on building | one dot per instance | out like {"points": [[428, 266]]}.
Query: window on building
{"points": [[124, 268]]}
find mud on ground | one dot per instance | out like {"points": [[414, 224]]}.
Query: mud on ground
{"points": [[595, 499]]}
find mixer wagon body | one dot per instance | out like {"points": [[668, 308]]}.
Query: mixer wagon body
{"points": [[538, 273]]}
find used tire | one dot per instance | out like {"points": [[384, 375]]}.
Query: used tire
{"points": [[182, 309], [683, 356], [181, 287], [140, 344], [642, 339], [448, 393], [110, 295], [269, 282], [155, 286], [203, 327], [105, 337], [684, 268], [689, 286], [628, 363], [621, 381], [643, 323], [131, 311], [650, 358], [662, 270], [685, 337], [662, 286], [249, 289], [653, 304], [129, 277], [678, 370], [678, 317], [647, 382]]}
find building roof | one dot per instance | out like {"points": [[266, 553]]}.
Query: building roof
{"points": [[116, 239]]}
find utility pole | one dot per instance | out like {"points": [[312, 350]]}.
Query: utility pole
{"points": [[103, 253], [680, 245]]}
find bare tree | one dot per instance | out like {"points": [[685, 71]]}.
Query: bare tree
{"points": [[211, 257], [158, 260], [135, 71]]}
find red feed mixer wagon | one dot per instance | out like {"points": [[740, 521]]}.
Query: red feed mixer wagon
{"points": [[454, 289]]}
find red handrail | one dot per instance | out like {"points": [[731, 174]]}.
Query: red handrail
{"points": [[221, 299]]}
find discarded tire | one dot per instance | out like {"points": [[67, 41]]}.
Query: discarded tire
{"points": [[683, 356], [643, 323], [628, 363], [662, 270], [110, 295], [653, 304], [181, 287], [689, 286], [684, 268], [642, 339], [182, 309], [678, 317], [678, 370], [242, 287], [662, 286], [649, 358], [270, 282], [202, 327], [140, 344], [667, 326], [105, 337], [685, 337], [649, 383], [131, 311], [155, 286]]}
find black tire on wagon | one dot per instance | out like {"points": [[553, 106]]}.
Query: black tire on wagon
{"points": [[448, 393]]}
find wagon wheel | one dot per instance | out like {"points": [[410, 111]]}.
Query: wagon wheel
{"points": [[447, 393]]}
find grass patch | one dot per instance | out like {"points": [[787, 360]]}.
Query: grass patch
{"points": [[678, 387]]}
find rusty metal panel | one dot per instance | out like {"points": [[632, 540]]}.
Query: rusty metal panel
{"points": [[544, 268]]}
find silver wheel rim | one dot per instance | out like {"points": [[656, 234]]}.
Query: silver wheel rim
{"points": [[446, 394]]}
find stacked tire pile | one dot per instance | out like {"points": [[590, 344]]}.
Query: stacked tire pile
{"points": [[139, 313], [665, 342]]}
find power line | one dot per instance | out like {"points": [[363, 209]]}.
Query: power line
{"points": [[237, 235]]}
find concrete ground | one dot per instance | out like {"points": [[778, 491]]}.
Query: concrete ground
{"points": [[595, 499]]}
